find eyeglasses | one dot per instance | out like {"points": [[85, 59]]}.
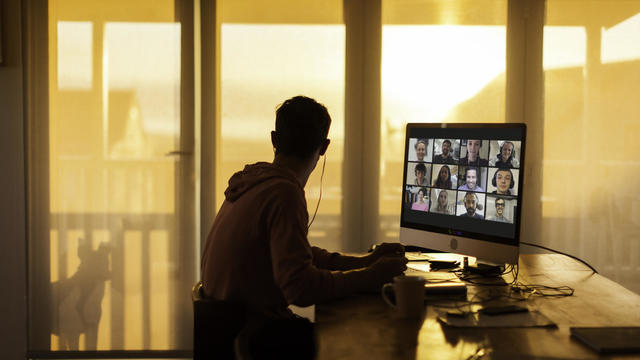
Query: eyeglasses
{"points": [[500, 204]]}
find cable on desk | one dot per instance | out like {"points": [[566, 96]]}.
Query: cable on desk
{"points": [[538, 289], [519, 290], [561, 253]]}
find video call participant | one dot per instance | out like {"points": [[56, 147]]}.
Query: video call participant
{"points": [[421, 172], [258, 253], [421, 149], [473, 154], [471, 204], [471, 177], [500, 204], [442, 205], [444, 178], [446, 157], [419, 203], [503, 181], [506, 156]]}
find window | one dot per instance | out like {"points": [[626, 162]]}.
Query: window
{"points": [[119, 257], [442, 61], [274, 52], [592, 78]]}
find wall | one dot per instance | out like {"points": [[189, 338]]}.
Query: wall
{"points": [[12, 187]]}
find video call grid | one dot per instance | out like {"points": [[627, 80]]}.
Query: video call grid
{"points": [[494, 166]]}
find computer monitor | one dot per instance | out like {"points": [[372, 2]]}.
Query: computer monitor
{"points": [[462, 189]]}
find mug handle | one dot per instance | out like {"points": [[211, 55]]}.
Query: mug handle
{"points": [[384, 294]]}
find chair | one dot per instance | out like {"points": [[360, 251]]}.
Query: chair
{"points": [[216, 323]]}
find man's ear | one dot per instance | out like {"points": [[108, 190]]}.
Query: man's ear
{"points": [[324, 147], [274, 139]]}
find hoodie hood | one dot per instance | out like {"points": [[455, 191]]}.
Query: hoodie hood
{"points": [[255, 174]]}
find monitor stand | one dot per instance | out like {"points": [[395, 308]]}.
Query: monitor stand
{"points": [[485, 270]]}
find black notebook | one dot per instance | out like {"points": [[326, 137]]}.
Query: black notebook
{"points": [[609, 340]]}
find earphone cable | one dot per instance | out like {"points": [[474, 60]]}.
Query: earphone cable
{"points": [[324, 162]]}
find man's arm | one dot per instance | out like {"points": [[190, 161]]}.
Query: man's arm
{"points": [[324, 259], [294, 272]]}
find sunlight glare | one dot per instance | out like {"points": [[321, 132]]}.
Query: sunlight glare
{"points": [[427, 70], [619, 42]]}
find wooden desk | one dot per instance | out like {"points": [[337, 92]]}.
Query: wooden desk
{"points": [[364, 327]]}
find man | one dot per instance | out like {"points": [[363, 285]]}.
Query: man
{"points": [[257, 252], [471, 204], [503, 181], [471, 176], [499, 203], [473, 154], [446, 157]]}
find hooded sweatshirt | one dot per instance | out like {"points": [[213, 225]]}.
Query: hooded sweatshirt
{"points": [[257, 252]]}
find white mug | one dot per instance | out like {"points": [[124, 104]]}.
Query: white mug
{"points": [[409, 293]]}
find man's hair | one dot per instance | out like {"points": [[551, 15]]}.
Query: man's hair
{"points": [[471, 168], [469, 193], [446, 141], [302, 125], [420, 167]]}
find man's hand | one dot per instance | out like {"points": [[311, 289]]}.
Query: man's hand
{"points": [[386, 268], [386, 250]]}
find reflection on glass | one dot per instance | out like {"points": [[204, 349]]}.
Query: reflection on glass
{"points": [[113, 249]]}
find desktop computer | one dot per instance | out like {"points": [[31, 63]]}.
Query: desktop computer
{"points": [[462, 189]]}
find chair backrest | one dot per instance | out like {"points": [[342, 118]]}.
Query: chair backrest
{"points": [[216, 323]]}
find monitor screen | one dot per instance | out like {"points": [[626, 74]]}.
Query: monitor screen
{"points": [[462, 189]]}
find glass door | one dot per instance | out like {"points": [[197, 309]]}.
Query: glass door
{"points": [[114, 267]]}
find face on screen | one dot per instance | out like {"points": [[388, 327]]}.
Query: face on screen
{"points": [[473, 146], [507, 149], [444, 173], [500, 206], [446, 147], [471, 179], [421, 150], [503, 181], [470, 203], [442, 198]]}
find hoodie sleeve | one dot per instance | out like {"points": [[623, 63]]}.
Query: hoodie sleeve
{"points": [[301, 282], [324, 259]]}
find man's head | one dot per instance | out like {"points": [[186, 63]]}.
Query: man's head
{"points": [[446, 147], [470, 203], [473, 147], [421, 149], [503, 180], [471, 177], [302, 126], [500, 203]]}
